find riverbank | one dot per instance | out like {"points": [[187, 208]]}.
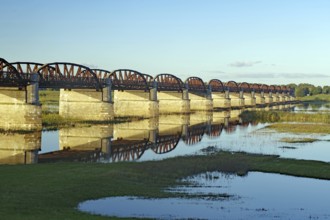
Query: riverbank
{"points": [[53, 191]]}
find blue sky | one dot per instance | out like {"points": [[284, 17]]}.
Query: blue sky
{"points": [[264, 41]]}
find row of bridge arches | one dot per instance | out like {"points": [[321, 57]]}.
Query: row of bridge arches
{"points": [[71, 75]]}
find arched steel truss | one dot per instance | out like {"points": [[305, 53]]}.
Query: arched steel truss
{"points": [[216, 85], [245, 87], [166, 143], [125, 79], [265, 88], [9, 76], [272, 88], [196, 84], [232, 86], [214, 130], [67, 75], [169, 82], [127, 150], [256, 87], [195, 134]]}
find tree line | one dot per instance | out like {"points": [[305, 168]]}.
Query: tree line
{"points": [[306, 89]]}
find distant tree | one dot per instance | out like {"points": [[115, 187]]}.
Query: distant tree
{"points": [[326, 90], [316, 90], [301, 91]]}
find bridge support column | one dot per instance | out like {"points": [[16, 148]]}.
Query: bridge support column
{"points": [[221, 100], [20, 108], [283, 98], [249, 99], [173, 102], [277, 98], [86, 104], [136, 103], [268, 98], [260, 98], [200, 102], [237, 99]]}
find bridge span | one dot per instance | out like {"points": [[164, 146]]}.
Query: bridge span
{"points": [[98, 95]]}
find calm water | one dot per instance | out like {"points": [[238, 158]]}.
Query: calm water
{"points": [[255, 196]]}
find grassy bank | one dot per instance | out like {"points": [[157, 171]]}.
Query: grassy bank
{"points": [[283, 116], [53, 191], [313, 98], [301, 128]]}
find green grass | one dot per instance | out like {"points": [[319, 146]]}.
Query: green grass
{"points": [[298, 140], [53, 191], [301, 128], [283, 116], [319, 97], [49, 97]]}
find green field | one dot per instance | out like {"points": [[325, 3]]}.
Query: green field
{"points": [[53, 191]]}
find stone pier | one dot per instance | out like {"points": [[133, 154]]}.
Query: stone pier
{"points": [[20, 108], [221, 100], [237, 99], [86, 104], [268, 98], [200, 102], [249, 99], [260, 98], [173, 102], [138, 103]]}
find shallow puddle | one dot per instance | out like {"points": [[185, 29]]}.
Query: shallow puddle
{"points": [[255, 196]]}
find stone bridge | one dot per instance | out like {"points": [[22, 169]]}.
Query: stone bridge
{"points": [[98, 95]]}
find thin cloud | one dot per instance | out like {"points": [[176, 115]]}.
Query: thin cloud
{"points": [[241, 64]]}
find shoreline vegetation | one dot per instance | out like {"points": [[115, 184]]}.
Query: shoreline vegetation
{"points": [[54, 190]]}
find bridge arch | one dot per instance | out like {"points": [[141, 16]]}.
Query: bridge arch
{"points": [[67, 75], [126, 79], [166, 144], [265, 88], [245, 87], [216, 85], [9, 76], [232, 86], [196, 84], [168, 82], [256, 87], [272, 88]]}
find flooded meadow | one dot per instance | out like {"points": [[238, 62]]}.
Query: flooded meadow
{"points": [[209, 195]]}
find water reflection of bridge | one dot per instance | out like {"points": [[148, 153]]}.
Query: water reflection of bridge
{"points": [[121, 142]]}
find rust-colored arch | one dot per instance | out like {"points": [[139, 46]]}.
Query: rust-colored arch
{"points": [[265, 88], [166, 143], [272, 88], [126, 79], [168, 82], [127, 150], [216, 85], [245, 87], [67, 75], [232, 86], [9, 76], [195, 84], [256, 87]]}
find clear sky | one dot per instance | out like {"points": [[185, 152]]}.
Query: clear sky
{"points": [[264, 41]]}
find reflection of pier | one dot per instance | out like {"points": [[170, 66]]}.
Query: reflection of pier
{"points": [[18, 148], [129, 141]]}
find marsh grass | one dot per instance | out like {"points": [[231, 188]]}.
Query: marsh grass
{"points": [[301, 128], [53, 191], [315, 98], [283, 116], [298, 140]]}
